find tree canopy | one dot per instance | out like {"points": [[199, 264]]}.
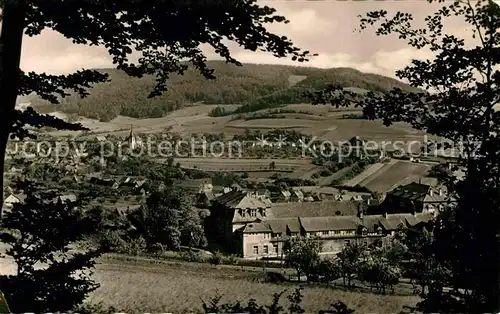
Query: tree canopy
{"points": [[256, 86], [462, 84], [165, 34]]}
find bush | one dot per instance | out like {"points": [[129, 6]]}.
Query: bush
{"points": [[135, 246], [156, 249], [193, 257], [112, 241], [97, 308], [216, 258], [325, 173]]}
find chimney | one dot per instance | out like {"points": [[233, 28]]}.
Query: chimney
{"points": [[440, 191], [384, 215], [360, 211], [431, 192]]}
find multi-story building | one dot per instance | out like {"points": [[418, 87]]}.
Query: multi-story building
{"points": [[231, 211], [266, 238], [249, 225], [414, 197]]}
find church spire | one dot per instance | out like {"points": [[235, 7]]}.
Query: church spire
{"points": [[131, 138]]}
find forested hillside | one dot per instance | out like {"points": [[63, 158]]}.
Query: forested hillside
{"points": [[256, 86]]}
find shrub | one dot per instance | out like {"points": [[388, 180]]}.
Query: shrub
{"points": [[216, 258], [97, 308], [135, 246], [193, 257], [112, 241], [156, 249]]}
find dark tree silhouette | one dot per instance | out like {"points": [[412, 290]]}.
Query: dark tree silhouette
{"points": [[295, 305], [42, 232], [165, 33], [463, 86]]}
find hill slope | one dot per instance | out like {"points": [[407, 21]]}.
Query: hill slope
{"points": [[252, 84]]}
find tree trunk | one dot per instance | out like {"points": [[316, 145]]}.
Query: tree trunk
{"points": [[10, 57]]}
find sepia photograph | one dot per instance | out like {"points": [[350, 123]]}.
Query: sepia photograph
{"points": [[250, 156]]}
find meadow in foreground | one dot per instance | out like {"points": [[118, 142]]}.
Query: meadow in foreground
{"points": [[181, 288]]}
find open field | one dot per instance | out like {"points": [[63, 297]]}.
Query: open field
{"points": [[300, 166], [367, 173], [134, 286], [322, 121], [391, 175], [181, 289]]}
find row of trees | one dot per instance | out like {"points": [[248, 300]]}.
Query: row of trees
{"points": [[380, 268]]}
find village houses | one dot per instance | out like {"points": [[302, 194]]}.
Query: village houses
{"points": [[414, 197]]}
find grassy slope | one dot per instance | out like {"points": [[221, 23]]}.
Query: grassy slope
{"points": [[181, 288], [249, 84]]}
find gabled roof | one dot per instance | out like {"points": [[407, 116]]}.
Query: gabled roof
{"points": [[259, 227], [412, 191], [11, 199], [67, 197], [286, 194], [298, 193], [390, 222], [281, 225], [371, 222], [418, 192], [241, 200]]}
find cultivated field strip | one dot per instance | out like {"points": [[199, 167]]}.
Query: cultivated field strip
{"points": [[244, 164], [391, 175]]}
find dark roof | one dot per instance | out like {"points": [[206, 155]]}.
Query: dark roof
{"points": [[241, 200], [418, 192], [412, 191], [280, 225], [330, 223], [313, 224], [392, 221], [313, 209], [371, 222], [259, 227]]}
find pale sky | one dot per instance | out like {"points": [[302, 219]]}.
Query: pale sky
{"points": [[325, 27]]}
